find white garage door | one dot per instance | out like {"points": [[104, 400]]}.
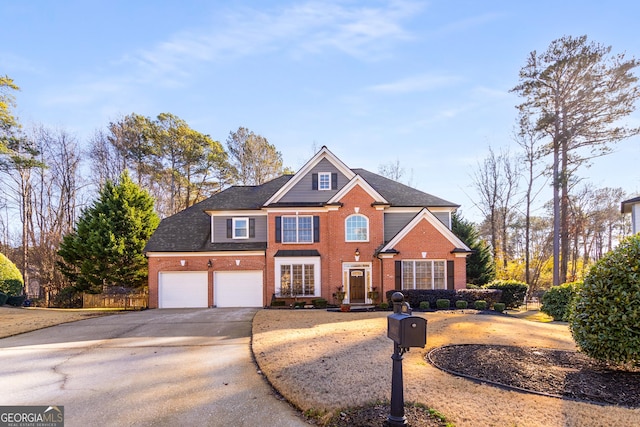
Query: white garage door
{"points": [[237, 288], [183, 289]]}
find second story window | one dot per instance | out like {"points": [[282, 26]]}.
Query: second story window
{"points": [[240, 228], [324, 181], [357, 228], [297, 229]]}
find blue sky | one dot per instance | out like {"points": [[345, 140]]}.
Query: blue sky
{"points": [[425, 83]]}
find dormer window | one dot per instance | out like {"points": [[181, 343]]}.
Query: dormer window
{"points": [[324, 181], [240, 228]]}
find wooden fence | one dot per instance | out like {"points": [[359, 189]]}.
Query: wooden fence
{"points": [[125, 301]]}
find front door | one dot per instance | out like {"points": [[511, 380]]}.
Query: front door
{"points": [[356, 286]]}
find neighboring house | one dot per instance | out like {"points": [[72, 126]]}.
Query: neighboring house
{"points": [[632, 206], [328, 228]]}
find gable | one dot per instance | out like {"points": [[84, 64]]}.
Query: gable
{"points": [[305, 189], [425, 215], [303, 180]]}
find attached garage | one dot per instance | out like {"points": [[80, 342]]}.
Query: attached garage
{"points": [[183, 289], [238, 289]]}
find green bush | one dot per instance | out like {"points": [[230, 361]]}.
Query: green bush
{"points": [[279, 303], [491, 296], [605, 314], [424, 305], [10, 277], [461, 304], [499, 307], [16, 301], [3, 298], [319, 303], [513, 292], [556, 301], [299, 304], [443, 303], [383, 306], [480, 305]]}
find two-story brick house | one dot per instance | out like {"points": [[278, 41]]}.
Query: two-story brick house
{"points": [[328, 228]]}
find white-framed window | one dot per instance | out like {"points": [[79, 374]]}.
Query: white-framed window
{"points": [[357, 228], [424, 274], [297, 229], [240, 228], [297, 277], [324, 181]]}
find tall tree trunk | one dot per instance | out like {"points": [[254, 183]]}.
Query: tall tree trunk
{"points": [[556, 216]]}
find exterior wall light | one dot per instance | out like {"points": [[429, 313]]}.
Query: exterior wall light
{"points": [[183, 262]]}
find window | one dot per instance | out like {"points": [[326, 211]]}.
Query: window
{"points": [[424, 275], [297, 229], [240, 228], [324, 181], [297, 280], [357, 228]]}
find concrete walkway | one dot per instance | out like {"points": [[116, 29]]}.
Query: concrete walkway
{"points": [[182, 367]]}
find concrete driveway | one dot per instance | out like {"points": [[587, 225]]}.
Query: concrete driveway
{"points": [[174, 367]]}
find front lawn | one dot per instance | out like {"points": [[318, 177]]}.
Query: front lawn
{"points": [[322, 361]]}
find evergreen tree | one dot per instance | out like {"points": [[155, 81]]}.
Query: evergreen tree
{"points": [[106, 248], [481, 268]]}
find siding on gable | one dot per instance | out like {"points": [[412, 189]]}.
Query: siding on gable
{"points": [[394, 222], [444, 217], [220, 229], [302, 192]]}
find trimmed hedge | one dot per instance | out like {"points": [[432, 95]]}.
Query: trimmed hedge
{"points": [[480, 305], [16, 301], [443, 303], [513, 292], [462, 304], [319, 303], [415, 296], [556, 301], [605, 313], [499, 307], [3, 299]]}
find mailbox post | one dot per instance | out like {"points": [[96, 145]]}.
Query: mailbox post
{"points": [[406, 331]]}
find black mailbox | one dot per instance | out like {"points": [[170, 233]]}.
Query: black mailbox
{"points": [[407, 331]]}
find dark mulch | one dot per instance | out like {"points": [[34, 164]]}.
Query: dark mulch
{"points": [[565, 374], [558, 373]]}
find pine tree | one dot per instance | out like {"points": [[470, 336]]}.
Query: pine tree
{"points": [[106, 248], [481, 268]]}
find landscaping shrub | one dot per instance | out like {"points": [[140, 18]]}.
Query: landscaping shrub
{"points": [[513, 292], [499, 307], [480, 305], [415, 296], [424, 305], [606, 311], [443, 303], [461, 304], [10, 277], [556, 301], [319, 303], [279, 303], [299, 304], [3, 299], [16, 300], [491, 296], [383, 306]]}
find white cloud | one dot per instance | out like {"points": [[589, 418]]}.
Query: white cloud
{"points": [[364, 32], [418, 83]]}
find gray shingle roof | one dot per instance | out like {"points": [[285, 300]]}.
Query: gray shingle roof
{"points": [[398, 194], [190, 229]]}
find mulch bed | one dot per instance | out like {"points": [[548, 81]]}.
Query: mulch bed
{"points": [[558, 373]]}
